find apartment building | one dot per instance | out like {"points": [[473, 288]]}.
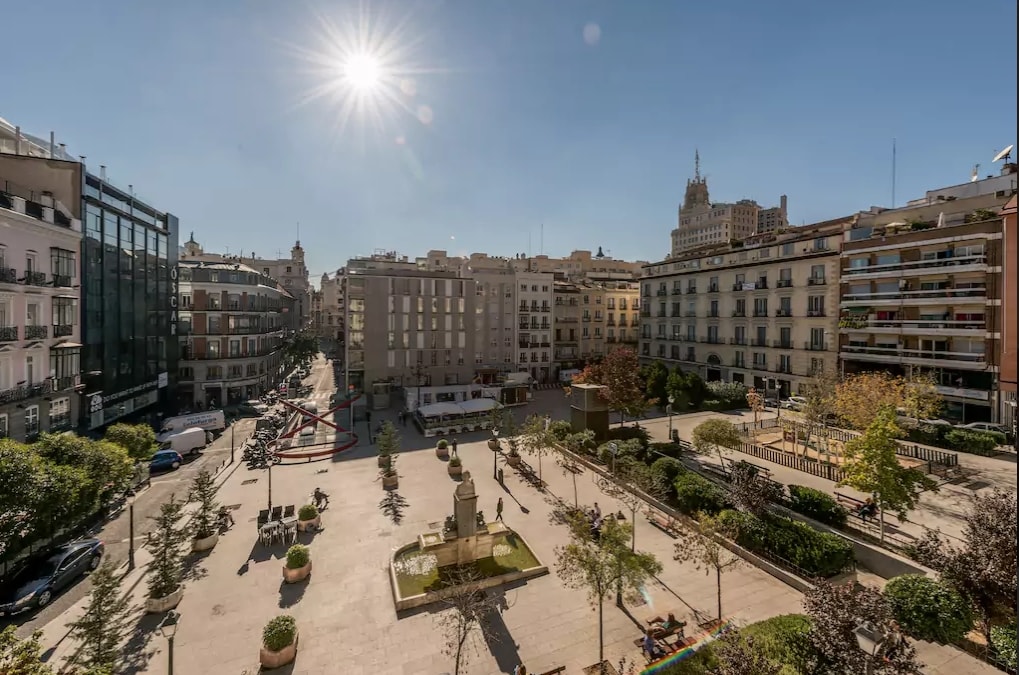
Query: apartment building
{"points": [[40, 339], [579, 264], [922, 290], [774, 218], [234, 324], [593, 318], [405, 326], [761, 311], [1009, 377], [497, 331], [535, 295], [327, 310]]}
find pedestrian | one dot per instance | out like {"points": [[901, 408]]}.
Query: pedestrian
{"points": [[454, 447], [597, 511], [368, 418], [406, 414], [399, 417], [498, 510], [521, 669]]}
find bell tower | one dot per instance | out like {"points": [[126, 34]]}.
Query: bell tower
{"points": [[696, 188]]}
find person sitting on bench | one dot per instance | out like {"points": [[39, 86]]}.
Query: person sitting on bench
{"points": [[868, 509], [650, 647], [670, 624]]}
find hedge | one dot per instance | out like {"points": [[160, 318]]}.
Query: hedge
{"points": [[975, 442], [695, 494], [630, 433], [818, 554], [818, 505], [665, 470], [929, 609]]}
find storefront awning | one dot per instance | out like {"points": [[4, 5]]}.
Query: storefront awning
{"points": [[856, 310]]}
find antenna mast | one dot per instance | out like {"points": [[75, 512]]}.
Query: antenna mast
{"points": [[893, 172]]}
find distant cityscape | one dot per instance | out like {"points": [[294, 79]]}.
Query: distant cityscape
{"points": [[125, 321]]}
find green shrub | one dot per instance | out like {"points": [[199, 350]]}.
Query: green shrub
{"points": [[1003, 642], [975, 442], [818, 505], [298, 556], [455, 461], [929, 609], [695, 494], [442, 444], [631, 450], [629, 434], [665, 471], [727, 392], [668, 449], [818, 554], [581, 442], [280, 632], [560, 430], [307, 512]]}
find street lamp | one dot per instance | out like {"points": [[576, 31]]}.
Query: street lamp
{"points": [[495, 454], [869, 639], [168, 627], [614, 449], [130, 530], [668, 411]]}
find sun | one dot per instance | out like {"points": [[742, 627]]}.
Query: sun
{"points": [[363, 72]]}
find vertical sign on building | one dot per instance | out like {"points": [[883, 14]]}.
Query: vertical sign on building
{"points": [[173, 301]]}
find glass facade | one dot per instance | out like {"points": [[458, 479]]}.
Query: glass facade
{"points": [[129, 302]]}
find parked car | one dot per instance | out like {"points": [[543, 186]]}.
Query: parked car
{"points": [[166, 460], [794, 403], [39, 580], [252, 408], [987, 426]]}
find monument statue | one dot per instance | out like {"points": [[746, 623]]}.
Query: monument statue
{"points": [[465, 507]]}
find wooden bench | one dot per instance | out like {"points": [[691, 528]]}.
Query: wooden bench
{"points": [[853, 507], [662, 521], [718, 471], [762, 471]]}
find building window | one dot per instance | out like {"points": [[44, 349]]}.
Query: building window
{"points": [[60, 414], [31, 420], [3, 426]]}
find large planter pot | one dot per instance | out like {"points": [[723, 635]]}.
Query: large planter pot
{"points": [[270, 659], [455, 470], [313, 524], [493, 444], [382, 461], [442, 453], [292, 576], [161, 605], [205, 543], [390, 481], [513, 460]]}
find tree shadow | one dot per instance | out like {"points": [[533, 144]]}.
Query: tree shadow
{"points": [[699, 616], [393, 506], [291, 594], [193, 569], [499, 640], [139, 650]]}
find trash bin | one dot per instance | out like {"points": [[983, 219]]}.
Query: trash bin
{"points": [[500, 475], [675, 435]]}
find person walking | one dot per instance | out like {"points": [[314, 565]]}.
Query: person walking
{"points": [[498, 510], [454, 447]]}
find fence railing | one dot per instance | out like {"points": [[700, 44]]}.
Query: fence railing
{"points": [[819, 469]]}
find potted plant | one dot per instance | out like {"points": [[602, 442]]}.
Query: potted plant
{"points": [[205, 521], [442, 449], [387, 441], [455, 467], [298, 564], [388, 474], [279, 642], [308, 518], [166, 568]]}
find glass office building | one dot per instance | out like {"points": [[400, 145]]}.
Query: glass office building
{"points": [[129, 305]]}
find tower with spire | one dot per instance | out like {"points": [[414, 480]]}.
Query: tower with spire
{"points": [[696, 188]]}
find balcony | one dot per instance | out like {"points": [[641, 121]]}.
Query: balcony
{"points": [[8, 275], [784, 368], [760, 365], [782, 344], [25, 392], [784, 283], [931, 297], [966, 263], [690, 313], [661, 314], [785, 312], [61, 280], [911, 326], [522, 308], [760, 313], [713, 288], [919, 357], [690, 356], [815, 346], [739, 363], [963, 392], [711, 340], [690, 290], [37, 332], [676, 314], [586, 319], [62, 330], [636, 322], [737, 286], [816, 281], [661, 292], [815, 313], [60, 422], [610, 322], [758, 342], [35, 279], [713, 315], [739, 313], [677, 291], [738, 341], [610, 339], [566, 319], [10, 334]]}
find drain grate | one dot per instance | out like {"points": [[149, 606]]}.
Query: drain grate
{"points": [[249, 481]]}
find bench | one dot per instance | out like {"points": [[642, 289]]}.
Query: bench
{"points": [[717, 471], [554, 671], [662, 521], [762, 471], [853, 507]]}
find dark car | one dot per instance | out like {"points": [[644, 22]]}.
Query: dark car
{"points": [[38, 581], [166, 460]]}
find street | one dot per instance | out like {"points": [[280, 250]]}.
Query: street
{"points": [[115, 532]]}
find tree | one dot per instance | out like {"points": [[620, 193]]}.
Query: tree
{"points": [[836, 611], [139, 440], [929, 609], [656, 378], [108, 465], [599, 566], [703, 547], [536, 439], [749, 491], [983, 567], [204, 522], [713, 434], [21, 657], [634, 477], [102, 628], [578, 443], [619, 373], [920, 397], [739, 655], [676, 388], [303, 347], [755, 400], [821, 393], [860, 396], [164, 542], [871, 466], [468, 615], [504, 421], [388, 439]]}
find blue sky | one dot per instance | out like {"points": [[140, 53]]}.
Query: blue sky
{"points": [[204, 107]]}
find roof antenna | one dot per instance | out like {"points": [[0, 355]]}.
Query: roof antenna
{"points": [[696, 164]]}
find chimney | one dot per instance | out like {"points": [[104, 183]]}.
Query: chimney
{"points": [[63, 150], [102, 172], [783, 203], [53, 143]]}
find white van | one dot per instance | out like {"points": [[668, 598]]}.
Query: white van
{"points": [[519, 378], [210, 420], [186, 442]]}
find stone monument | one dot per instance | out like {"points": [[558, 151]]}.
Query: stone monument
{"points": [[465, 537]]}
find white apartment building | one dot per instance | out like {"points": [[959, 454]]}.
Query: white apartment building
{"points": [[40, 339], [535, 297]]}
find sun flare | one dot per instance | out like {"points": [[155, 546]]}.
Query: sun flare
{"points": [[363, 71]]}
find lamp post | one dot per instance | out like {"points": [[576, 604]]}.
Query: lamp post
{"points": [[614, 449], [668, 411], [233, 447], [130, 531], [270, 482], [495, 455], [869, 639], [168, 627]]}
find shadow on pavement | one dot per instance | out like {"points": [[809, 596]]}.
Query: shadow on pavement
{"points": [[291, 594], [499, 640], [139, 651]]}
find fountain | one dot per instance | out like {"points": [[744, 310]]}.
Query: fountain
{"points": [[496, 552]]}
